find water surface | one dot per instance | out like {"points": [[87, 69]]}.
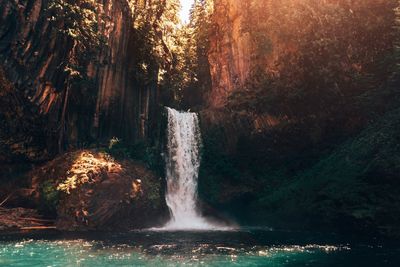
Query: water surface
{"points": [[156, 248]]}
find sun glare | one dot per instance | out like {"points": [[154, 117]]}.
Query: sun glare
{"points": [[184, 13]]}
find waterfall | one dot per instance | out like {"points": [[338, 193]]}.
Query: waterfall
{"points": [[182, 171]]}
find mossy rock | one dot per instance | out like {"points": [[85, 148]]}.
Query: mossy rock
{"points": [[89, 190]]}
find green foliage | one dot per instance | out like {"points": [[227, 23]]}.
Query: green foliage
{"points": [[357, 181], [354, 185], [79, 22], [329, 54], [217, 170], [154, 194], [188, 80], [49, 198], [141, 151]]}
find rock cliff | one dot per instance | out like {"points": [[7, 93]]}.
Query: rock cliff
{"points": [[292, 80], [296, 45], [237, 48], [230, 50], [84, 89]]}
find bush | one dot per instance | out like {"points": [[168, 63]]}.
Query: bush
{"points": [[49, 198], [141, 151]]}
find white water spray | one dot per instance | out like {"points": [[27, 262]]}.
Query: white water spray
{"points": [[182, 170]]}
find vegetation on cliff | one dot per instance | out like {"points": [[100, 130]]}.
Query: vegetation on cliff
{"points": [[355, 186], [306, 137], [335, 51], [76, 74], [188, 81]]}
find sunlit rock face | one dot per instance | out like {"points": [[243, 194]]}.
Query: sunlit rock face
{"points": [[254, 39], [105, 99], [230, 50], [89, 190], [234, 48]]}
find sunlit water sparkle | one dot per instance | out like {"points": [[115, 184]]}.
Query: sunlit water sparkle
{"points": [[147, 248]]}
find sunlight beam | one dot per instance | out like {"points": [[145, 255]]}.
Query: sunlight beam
{"points": [[184, 13]]}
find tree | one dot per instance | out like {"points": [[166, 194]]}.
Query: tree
{"points": [[336, 51], [189, 79]]}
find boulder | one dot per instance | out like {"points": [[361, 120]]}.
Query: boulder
{"points": [[89, 190]]}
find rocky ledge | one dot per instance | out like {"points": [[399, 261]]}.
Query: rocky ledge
{"points": [[20, 219]]}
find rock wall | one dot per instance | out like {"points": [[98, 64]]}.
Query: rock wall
{"points": [[107, 101], [305, 61], [283, 40], [281, 62], [237, 49], [230, 50]]}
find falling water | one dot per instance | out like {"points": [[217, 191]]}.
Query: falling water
{"points": [[182, 170]]}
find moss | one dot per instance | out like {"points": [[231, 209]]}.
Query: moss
{"points": [[154, 197], [49, 198]]}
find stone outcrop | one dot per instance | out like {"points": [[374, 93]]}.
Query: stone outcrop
{"points": [[21, 131], [89, 190]]}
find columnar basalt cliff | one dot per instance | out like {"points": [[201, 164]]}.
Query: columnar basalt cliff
{"points": [[84, 89], [236, 49], [230, 50], [240, 51]]}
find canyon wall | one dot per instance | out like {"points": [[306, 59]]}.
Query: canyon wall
{"points": [[236, 51], [237, 48], [83, 92], [292, 42], [284, 62], [230, 50], [295, 83]]}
